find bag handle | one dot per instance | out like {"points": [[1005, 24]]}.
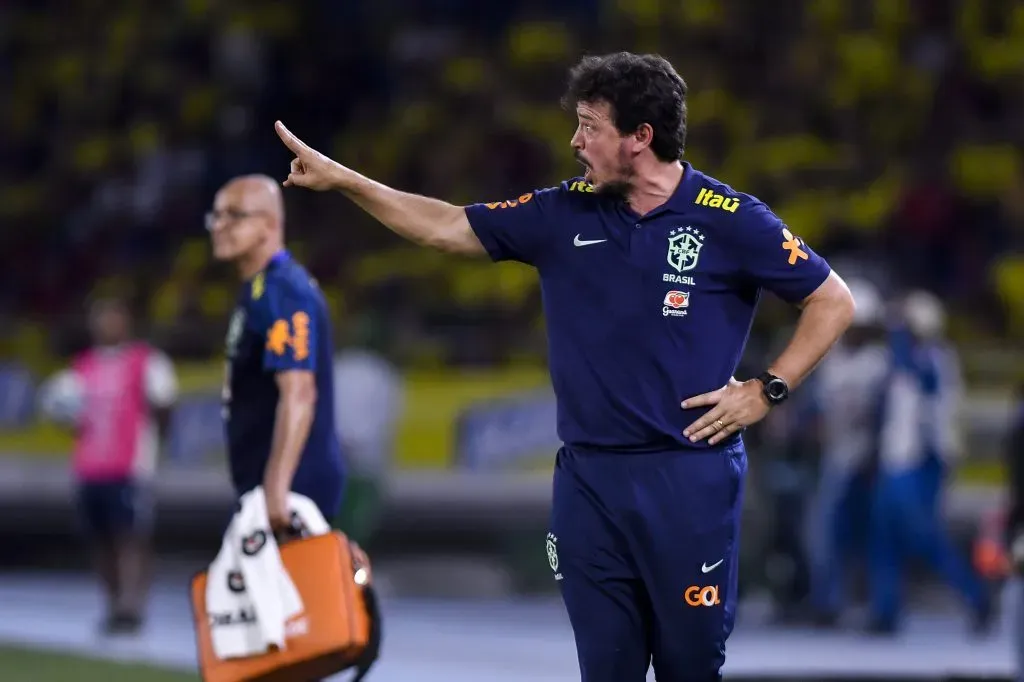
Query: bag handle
{"points": [[363, 576]]}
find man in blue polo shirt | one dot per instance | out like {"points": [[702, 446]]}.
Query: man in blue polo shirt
{"points": [[278, 393], [650, 273]]}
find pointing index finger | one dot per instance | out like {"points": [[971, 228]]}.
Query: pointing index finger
{"points": [[293, 143]]}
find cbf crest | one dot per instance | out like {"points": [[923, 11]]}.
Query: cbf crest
{"points": [[551, 546], [684, 244], [235, 329]]}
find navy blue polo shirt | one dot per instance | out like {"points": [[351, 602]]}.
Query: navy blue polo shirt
{"points": [[645, 311], [281, 323]]}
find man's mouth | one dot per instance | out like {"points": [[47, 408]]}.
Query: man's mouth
{"points": [[583, 162], [586, 167]]}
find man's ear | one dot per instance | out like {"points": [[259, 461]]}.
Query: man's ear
{"points": [[643, 136]]}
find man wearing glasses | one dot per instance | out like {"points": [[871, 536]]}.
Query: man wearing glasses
{"points": [[278, 393]]}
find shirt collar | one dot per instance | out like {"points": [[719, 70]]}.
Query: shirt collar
{"points": [[686, 192], [681, 200], [278, 258], [113, 349], [253, 288]]}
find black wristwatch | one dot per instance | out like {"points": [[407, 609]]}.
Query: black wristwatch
{"points": [[775, 390]]}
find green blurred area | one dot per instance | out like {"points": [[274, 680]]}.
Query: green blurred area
{"points": [[27, 665], [834, 130]]}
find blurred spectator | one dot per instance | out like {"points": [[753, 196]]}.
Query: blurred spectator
{"points": [[915, 438], [117, 398], [885, 130], [368, 405], [848, 387]]}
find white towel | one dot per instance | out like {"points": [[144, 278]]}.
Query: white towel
{"points": [[249, 595]]}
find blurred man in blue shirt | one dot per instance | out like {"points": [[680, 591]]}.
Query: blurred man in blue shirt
{"points": [[278, 395], [650, 273], [916, 438], [925, 319]]}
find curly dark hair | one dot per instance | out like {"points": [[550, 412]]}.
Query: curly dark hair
{"points": [[639, 88]]}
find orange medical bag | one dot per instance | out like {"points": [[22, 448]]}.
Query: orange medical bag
{"points": [[338, 629]]}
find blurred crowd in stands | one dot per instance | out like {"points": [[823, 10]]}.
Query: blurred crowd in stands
{"points": [[887, 133]]}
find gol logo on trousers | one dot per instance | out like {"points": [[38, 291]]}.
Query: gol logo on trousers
{"points": [[696, 595]]}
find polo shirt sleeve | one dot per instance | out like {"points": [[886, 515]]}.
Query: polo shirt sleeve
{"points": [[772, 257], [289, 328], [518, 229]]}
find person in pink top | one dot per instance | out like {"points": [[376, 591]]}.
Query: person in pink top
{"points": [[117, 396]]}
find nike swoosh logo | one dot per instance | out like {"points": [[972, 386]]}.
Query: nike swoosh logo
{"points": [[704, 568], [586, 242]]}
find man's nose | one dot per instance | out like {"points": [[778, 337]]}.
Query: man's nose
{"points": [[577, 141]]}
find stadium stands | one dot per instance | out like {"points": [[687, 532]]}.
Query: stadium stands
{"points": [[882, 131]]}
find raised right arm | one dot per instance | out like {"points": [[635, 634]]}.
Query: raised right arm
{"points": [[421, 220]]}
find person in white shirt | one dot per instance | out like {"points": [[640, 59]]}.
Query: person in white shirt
{"points": [[849, 385], [368, 405], [117, 397]]}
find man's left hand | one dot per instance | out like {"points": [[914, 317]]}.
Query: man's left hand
{"points": [[736, 406]]}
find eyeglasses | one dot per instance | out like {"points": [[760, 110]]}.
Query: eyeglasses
{"points": [[231, 216]]}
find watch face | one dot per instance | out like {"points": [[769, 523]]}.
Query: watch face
{"points": [[776, 389]]}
